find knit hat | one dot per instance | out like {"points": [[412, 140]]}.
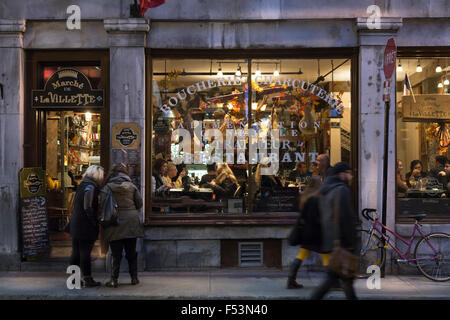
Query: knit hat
{"points": [[340, 167]]}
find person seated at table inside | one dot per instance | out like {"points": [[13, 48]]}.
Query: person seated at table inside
{"points": [[181, 174], [159, 171], [446, 180], [225, 184], [315, 169], [439, 167], [300, 172], [172, 172], [438, 172], [415, 174], [207, 178], [265, 181], [182, 179], [401, 182]]}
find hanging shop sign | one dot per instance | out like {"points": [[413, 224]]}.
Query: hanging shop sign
{"points": [[68, 88], [33, 209], [427, 108]]}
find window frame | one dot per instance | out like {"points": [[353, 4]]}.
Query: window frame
{"points": [[410, 53], [254, 218]]}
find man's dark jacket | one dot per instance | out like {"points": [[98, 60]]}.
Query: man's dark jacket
{"points": [[335, 198]]}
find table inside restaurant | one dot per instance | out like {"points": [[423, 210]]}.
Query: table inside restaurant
{"points": [[201, 199], [424, 193]]}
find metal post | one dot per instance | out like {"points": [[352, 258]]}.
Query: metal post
{"points": [[385, 167], [249, 121]]}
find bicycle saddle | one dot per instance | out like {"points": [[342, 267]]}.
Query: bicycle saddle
{"points": [[418, 217]]}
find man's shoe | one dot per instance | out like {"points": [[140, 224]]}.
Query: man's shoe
{"points": [[134, 280], [89, 282], [292, 284], [113, 283]]}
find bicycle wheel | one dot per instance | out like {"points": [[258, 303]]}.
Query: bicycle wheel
{"points": [[434, 265], [372, 252]]}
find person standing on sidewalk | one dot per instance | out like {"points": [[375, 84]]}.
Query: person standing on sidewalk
{"points": [[336, 203], [123, 236], [83, 226]]}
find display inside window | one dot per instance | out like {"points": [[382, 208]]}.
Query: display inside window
{"points": [[218, 146], [423, 137]]}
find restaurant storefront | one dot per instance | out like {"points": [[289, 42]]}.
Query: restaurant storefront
{"points": [[257, 89], [208, 111]]}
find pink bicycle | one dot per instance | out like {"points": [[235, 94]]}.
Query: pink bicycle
{"points": [[431, 254]]}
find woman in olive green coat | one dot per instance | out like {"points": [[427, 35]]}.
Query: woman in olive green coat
{"points": [[123, 235]]}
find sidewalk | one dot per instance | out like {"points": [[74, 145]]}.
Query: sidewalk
{"points": [[216, 284]]}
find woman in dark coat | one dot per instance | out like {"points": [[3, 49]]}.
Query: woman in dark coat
{"points": [[83, 225], [312, 232], [123, 236]]}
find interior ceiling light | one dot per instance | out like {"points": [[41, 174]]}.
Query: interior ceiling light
{"points": [[419, 67], [440, 85], [220, 73], [446, 82], [438, 68], [238, 71], [257, 72], [276, 73], [399, 68]]}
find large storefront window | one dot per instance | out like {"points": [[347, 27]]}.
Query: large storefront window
{"points": [[423, 133], [224, 142]]}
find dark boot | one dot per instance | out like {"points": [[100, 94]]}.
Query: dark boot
{"points": [[115, 268], [134, 280], [133, 269], [291, 283], [112, 283], [89, 282]]}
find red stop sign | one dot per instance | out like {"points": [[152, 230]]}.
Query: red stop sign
{"points": [[390, 55]]}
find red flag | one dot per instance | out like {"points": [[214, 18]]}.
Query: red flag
{"points": [[145, 4]]}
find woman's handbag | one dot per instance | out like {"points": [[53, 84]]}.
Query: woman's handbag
{"points": [[110, 210], [342, 261]]}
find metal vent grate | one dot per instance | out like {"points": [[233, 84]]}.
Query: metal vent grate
{"points": [[250, 254]]}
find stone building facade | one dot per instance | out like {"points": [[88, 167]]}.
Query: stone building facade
{"points": [[197, 26]]}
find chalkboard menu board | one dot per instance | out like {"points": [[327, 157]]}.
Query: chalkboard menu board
{"points": [[33, 212], [277, 200]]}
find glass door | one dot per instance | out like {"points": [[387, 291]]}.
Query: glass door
{"points": [[72, 145]]}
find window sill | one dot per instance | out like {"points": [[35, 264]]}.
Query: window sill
{"points": [[426, 220], [217, 219]]}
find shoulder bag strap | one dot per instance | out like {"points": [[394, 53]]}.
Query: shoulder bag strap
{"points": [[337, 228]]}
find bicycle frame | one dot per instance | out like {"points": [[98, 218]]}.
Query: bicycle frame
{"points": [[378, 227]]}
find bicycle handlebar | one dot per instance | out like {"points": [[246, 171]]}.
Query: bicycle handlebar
{"points": [[365, 213]]}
